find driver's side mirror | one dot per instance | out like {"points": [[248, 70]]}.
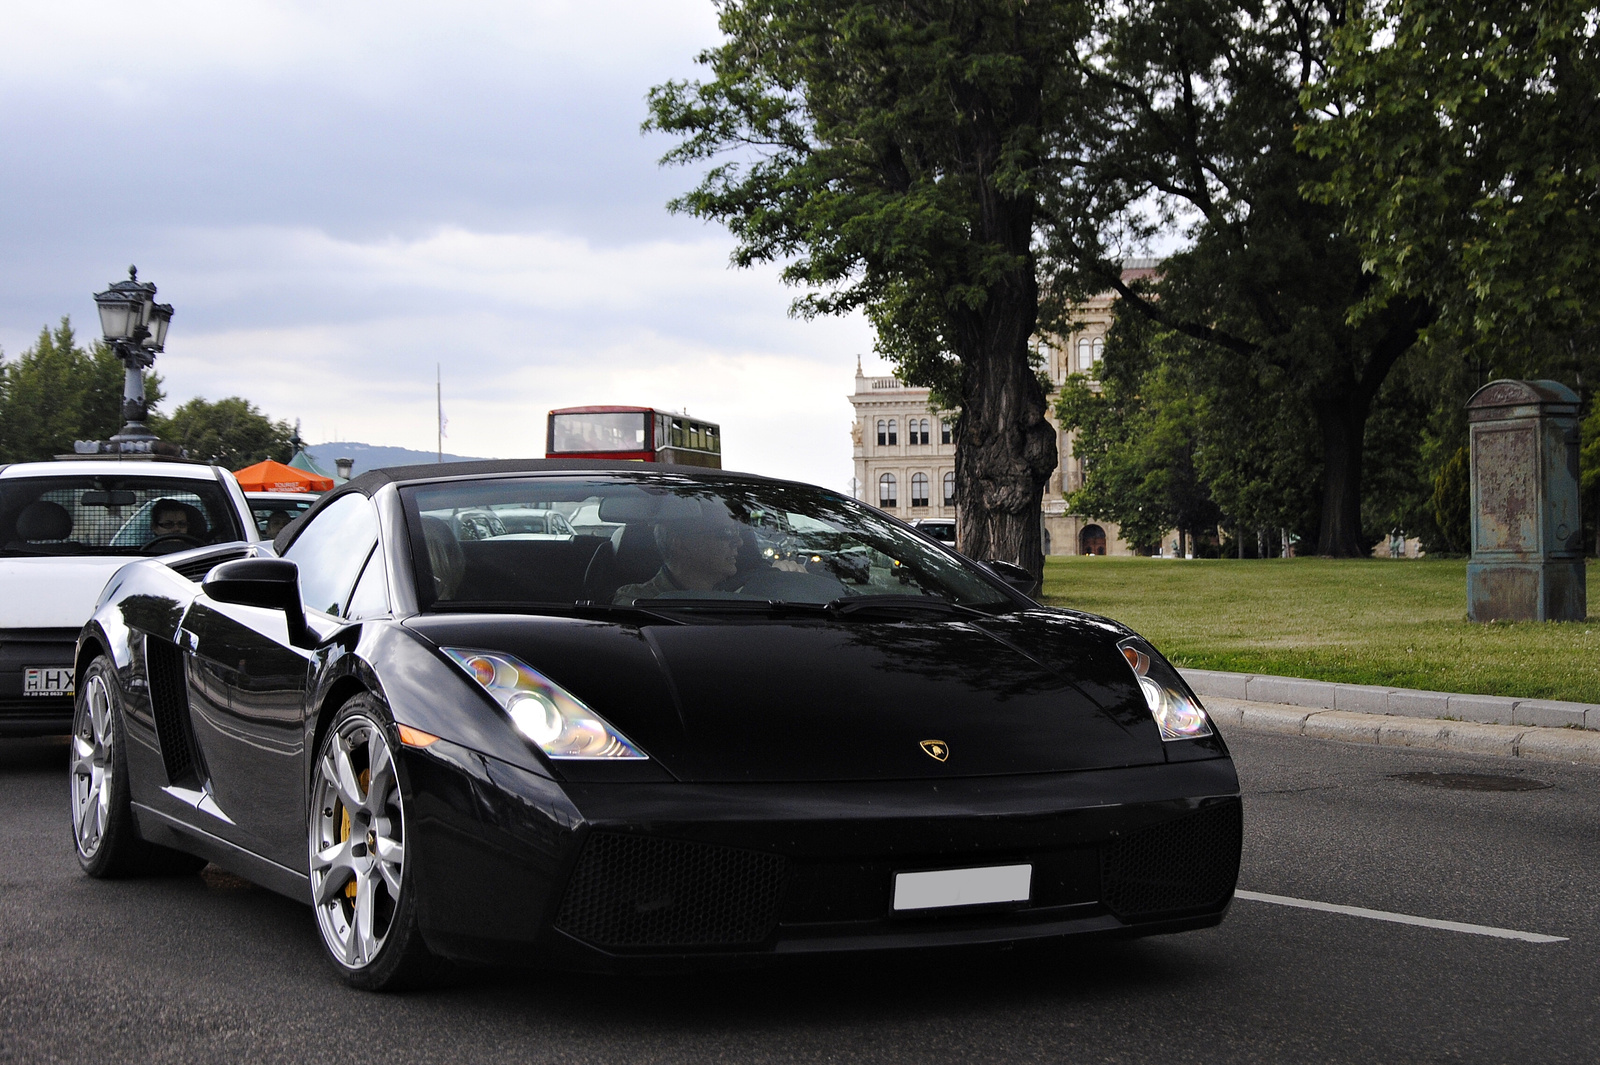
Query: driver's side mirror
{"points": [[1013, 575], [271, 583]]}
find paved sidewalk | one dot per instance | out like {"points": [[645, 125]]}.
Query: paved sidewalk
{"points": [[1533, 742], [1399, 702]]}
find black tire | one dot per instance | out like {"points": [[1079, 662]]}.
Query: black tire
{"points": [[349, 873], [104, 833]]}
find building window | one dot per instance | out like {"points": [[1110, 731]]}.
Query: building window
{"points": [[1097, 349], [919, 489], [944, 431], [883, 432], [949, 488], [887, 491], [1084, 355], [922, 432], [894, 435]]}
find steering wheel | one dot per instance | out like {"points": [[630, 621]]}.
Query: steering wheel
{"points": [[175, 538]]}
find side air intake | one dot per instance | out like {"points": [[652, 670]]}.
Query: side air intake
{"points": [[169, 703]]}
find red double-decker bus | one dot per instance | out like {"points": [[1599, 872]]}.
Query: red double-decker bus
{"points": [[643, 434]]}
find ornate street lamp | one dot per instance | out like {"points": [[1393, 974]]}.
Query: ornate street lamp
{"points": [[135, 327]]}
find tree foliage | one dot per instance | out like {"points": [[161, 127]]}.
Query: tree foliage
{"points": [[231, 432], [1464, 143], [894, 156], [1452, 503], [58, 392]]}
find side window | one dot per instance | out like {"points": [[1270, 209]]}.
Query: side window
{"points": [[330, 551], [371, 597]]}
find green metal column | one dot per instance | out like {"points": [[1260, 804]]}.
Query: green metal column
{"points": [[1527, 532]]}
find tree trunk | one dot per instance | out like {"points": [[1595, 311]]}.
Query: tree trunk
{"points": [[1006, 450], [1343, 431]]}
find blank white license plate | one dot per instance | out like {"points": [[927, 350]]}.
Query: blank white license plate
{"points": [[962, 887], [47, 681]]}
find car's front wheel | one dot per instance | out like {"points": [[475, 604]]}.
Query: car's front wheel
{"points": [[362, 883], [103, 828]]}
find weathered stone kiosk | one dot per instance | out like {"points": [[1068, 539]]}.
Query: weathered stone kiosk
{"points": [[1527, 533]]}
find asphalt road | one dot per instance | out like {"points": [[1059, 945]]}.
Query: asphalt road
{"points": [[208, 968]]}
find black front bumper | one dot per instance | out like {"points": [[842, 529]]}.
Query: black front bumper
{"points": [[515, 867], [31, 714]]}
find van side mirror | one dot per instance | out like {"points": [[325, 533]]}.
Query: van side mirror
{"points": [[270, 583], [1013, 575]]}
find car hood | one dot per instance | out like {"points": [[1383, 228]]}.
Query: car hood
{"points": [[56, 592], [845, 700]]}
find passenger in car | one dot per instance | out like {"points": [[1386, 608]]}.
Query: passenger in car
{"points": [[445, 557]]}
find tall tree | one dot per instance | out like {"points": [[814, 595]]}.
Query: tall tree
{"points": [[893, 155], [58, 392], [231, 432], [1194, 126]]}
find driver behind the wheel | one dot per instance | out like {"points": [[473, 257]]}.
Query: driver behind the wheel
{"points": [[699, 552], [168, 517]]}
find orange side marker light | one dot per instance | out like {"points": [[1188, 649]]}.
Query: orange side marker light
{"points": [[415, 737]]}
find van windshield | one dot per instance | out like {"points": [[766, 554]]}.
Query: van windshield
{"points": [[113, 515], [651, 542]]}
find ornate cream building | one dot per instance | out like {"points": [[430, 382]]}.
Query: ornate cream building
{"points": [[905, 458]]}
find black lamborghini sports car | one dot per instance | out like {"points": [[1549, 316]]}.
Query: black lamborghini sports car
{"points": [[738, 718]]}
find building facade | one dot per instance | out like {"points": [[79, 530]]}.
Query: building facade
{"points": [[905, 454]]}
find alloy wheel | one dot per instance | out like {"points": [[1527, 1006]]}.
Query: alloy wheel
{"points": [[358, 841], [92, 767]]}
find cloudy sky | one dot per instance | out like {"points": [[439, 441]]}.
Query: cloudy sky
{"points": [[337, 196]]}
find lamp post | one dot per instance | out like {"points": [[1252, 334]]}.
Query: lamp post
{"points": [[135, 327]]}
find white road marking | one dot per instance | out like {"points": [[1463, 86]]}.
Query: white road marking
{"points": [[1400, 918]]}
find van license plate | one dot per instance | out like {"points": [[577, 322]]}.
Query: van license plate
{"points": [[47, 681], [962, 887]]}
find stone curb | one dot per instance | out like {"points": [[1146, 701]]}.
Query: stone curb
{"points": [[1397, 702], [1532, 742]]}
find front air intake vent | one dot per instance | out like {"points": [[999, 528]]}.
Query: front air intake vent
{"points": [[639, 891], [1191, 863], [169, 705]]}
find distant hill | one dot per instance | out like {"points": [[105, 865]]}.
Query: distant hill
{"points": [[375, 456]]}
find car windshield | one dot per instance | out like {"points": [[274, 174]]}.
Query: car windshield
{"points": [[670, 542], [111, 515]]}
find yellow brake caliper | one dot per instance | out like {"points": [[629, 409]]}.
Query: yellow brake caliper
{"points": [[344, 827]]}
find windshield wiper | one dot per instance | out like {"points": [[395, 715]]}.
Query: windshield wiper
{"points": [[843, 607], [590, 608], [859, 604]]}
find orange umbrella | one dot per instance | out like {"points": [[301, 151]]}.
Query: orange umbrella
{"points": [[272, 476]]}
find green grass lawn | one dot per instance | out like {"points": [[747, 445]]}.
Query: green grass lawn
{"points": [[1358, 621]]}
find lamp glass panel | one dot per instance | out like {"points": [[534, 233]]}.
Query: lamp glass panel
{"points": [[116, 319]]}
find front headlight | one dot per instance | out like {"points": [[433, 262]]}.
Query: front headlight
{"points": [[1177, 713], [542, 710]]}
